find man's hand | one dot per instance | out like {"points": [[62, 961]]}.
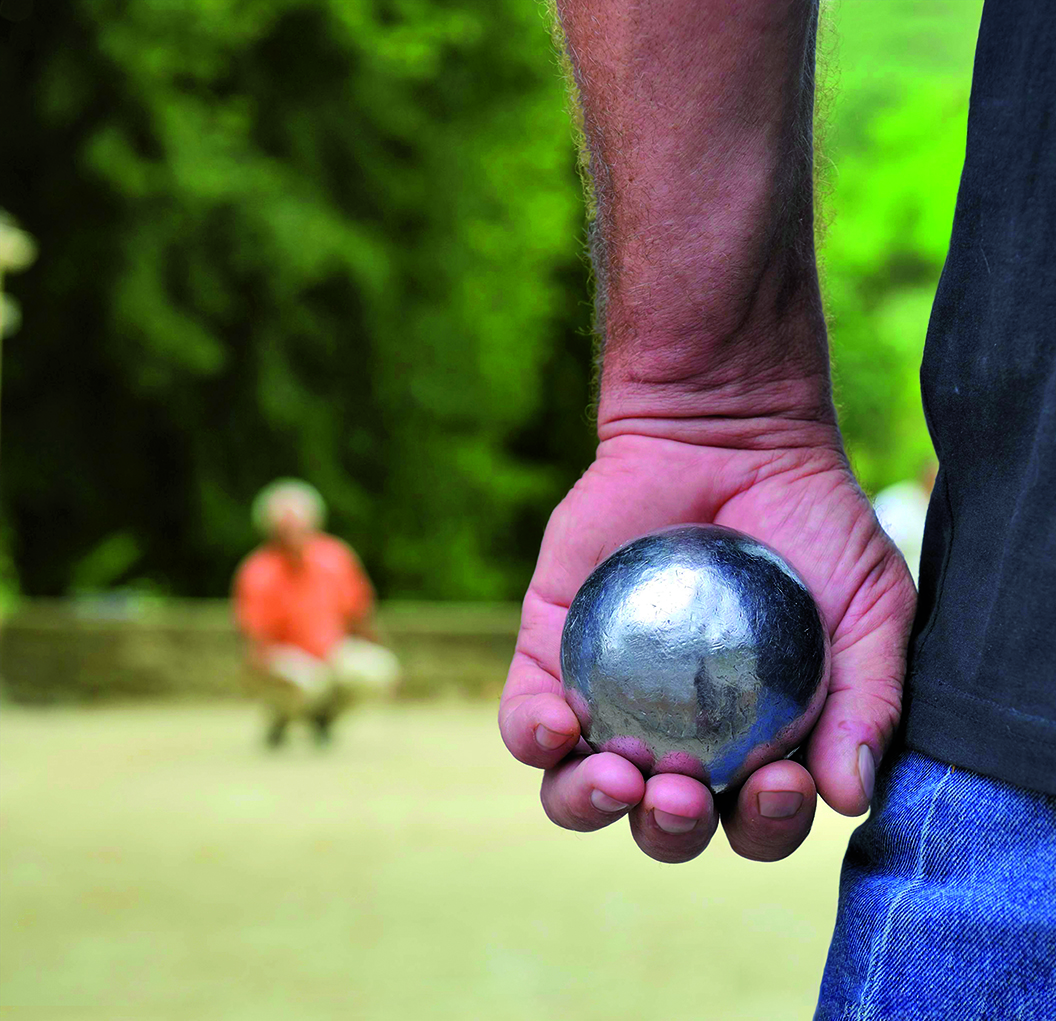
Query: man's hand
{"points": [[715, 403], [787, 484]]}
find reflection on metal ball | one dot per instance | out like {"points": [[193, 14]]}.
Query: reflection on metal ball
{"points": [[695, 650]]}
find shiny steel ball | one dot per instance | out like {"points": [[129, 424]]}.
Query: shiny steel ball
{"points": [[695, 650]]}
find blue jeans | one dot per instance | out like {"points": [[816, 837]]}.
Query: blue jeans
{"points": [[947, 903]]}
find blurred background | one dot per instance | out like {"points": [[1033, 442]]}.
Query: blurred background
{"points": [[344, 240]]}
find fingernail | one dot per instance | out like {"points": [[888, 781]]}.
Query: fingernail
{"points": [[669, 823], [866, 770], [779, 804], [603, 803], [549, 739]]}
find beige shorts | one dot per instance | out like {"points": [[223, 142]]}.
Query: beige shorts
{"points": [[296, 683]]}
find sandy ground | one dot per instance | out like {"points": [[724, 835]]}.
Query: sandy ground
{"points": [[156, 863]]}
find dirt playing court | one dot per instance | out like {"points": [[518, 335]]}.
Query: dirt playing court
{"points": [[156, 863]]}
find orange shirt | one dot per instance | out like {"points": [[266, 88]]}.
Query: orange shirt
{"points": [[311, 604]]}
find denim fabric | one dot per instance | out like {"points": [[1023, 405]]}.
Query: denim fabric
{"points": [[947, 902]]}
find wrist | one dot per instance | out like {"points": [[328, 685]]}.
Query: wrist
{"points": [[749, 432], [766, 384]]}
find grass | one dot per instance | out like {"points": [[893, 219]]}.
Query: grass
{"points": [[157, 864]]}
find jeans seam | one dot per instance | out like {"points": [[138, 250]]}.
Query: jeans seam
{"points": [[877, 952]]}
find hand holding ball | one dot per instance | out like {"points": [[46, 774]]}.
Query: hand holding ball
{"points": [[695, 650]]}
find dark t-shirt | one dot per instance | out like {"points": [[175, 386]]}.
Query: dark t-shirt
{"points": [[982, 681]]}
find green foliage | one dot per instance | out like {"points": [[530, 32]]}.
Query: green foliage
{"points": [[335, 239], [893, 146], [340, 239], [105, 563]]}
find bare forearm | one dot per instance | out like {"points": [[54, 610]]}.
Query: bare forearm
{"points": [[697, 115]]}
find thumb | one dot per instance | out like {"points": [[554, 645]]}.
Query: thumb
{"points": [[860, 715]]}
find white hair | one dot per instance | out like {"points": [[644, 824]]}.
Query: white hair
{"points": [[281, 493]]}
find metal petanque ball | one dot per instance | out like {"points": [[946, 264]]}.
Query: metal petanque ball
{"points": [[695, 650]]}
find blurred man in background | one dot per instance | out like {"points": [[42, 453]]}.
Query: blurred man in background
{"points": [[306, 607]]}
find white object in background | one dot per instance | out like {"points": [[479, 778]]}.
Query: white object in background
{"points": [[902, 510]]}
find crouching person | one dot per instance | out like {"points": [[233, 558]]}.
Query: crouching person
{"points": [[306, 608]]}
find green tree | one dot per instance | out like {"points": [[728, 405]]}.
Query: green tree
{"points": [[342, 239], [332, 238], [895, 83]]}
